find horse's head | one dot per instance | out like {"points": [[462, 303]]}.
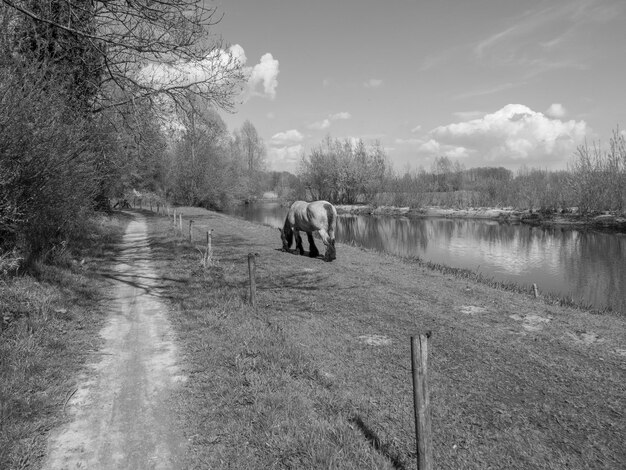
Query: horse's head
{"points": [[287, 237], [331, 253]]}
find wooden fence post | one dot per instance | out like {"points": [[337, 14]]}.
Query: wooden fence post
{"points": [[209, 248], [535, 290], [190, 237], [421, 401], [180, 223], [252, 272]]}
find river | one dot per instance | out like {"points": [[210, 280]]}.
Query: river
{"points": [[586, 265]]}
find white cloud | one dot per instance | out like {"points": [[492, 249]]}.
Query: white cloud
{"points": [[342, 115], [218, 66], [325, 123], [373, 83], [556, 110], [285, 158], [416, 129], [237, 51], [288, 137], [264, 75], [510, 136], [320, 125]]}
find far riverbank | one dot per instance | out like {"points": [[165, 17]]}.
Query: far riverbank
{"points": [[611, 221]]}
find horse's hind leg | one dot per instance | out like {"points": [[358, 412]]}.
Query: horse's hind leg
{"points": [[313, 252], [299, 246]]}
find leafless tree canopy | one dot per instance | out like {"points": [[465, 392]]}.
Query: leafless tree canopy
{"points": [[121, 51]]}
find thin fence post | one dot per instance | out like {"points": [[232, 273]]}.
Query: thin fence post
{"points": [[190, 237], [421, 401], [535, 290], [180, 223], [209, 249], [252, 272], [150, 205]]}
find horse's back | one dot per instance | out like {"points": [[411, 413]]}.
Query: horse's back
{"points": [[311, 216]]}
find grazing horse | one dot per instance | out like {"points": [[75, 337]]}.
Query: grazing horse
{"points": [[308, 217]]}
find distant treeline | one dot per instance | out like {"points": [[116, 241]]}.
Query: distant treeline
{"points": [[347, 173]]}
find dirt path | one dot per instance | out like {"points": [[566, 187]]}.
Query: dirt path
{"points": [[120, 416]]}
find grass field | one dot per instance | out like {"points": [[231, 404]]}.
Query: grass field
{"points": [[319, 376]]}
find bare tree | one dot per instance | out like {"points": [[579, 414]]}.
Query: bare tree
{"points": [[121, 51], [251, 146]]}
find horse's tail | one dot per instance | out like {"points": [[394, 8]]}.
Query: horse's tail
{"points": [[331, 215]]}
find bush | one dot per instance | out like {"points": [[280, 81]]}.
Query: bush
{"points": [[47, 176]]}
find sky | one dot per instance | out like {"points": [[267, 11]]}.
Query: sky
{"points": [[485, 82]]}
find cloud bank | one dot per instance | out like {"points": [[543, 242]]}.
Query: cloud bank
{"points": [[509, 137], [262, 78]]}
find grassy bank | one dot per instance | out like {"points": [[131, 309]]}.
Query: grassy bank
{"points": [[50, 324], [319, 377]]}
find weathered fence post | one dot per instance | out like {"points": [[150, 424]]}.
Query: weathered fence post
{"points": [[180, 223], [252, 272], [535, 290], [150, 205], [421, 401], [209, 249], [190, 237]]}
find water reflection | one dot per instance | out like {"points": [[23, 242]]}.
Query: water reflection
{"points": [[584, 265]]}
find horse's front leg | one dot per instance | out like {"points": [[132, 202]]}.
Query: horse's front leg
{"points": [[313, 252], [329, 241], [299, 246]]}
